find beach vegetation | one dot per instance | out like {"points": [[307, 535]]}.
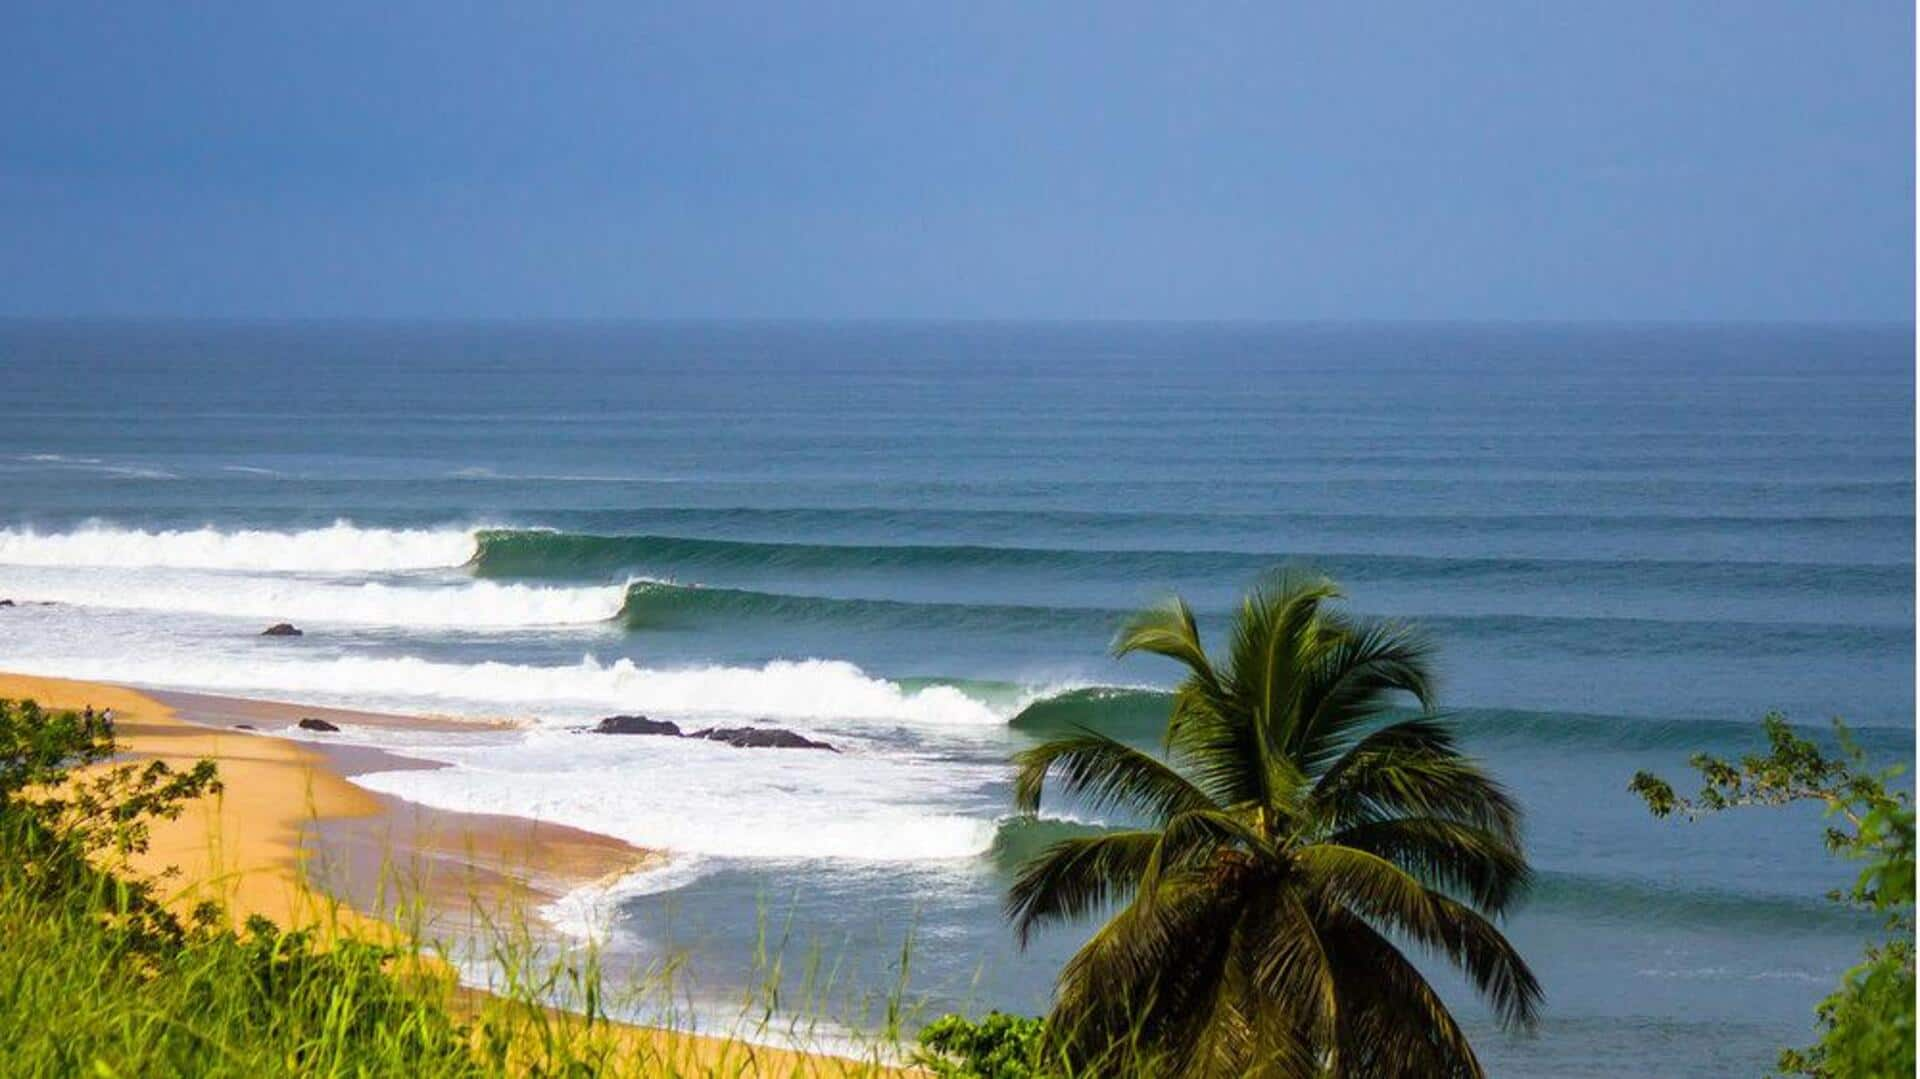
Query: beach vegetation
{"points": [[995, 1046], [1297, 837], [1866, 1025]]}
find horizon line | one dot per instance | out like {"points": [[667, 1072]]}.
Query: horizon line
{"points": [[925, 320]]}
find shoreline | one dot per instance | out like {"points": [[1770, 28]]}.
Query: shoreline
{"points": [[400, 854], [293, 839], [290, 809]]}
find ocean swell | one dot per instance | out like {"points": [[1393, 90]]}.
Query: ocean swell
{"points": [[546, 553]]}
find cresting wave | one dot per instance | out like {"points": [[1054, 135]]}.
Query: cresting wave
{"points": [[473, 605], [344, 547], [339, 548], [537, 553]]}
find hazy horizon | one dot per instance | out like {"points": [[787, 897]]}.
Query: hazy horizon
{"points": [[401, 321]]}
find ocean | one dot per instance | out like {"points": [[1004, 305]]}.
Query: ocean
{"points": [[916, 540]]}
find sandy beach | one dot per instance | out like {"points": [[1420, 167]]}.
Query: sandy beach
{"points": [[291, 838], [288, 818]]}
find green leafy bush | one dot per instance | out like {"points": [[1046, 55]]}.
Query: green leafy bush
{"points": [[999, 1046]]}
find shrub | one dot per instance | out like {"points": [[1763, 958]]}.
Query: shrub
{"points": [[998, 1046]]}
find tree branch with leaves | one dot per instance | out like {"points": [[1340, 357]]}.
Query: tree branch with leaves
{"points": [[1867, 1025]]}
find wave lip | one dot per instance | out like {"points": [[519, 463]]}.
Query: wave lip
{"points": [[342, 547]]}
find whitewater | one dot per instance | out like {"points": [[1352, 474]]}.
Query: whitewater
{"points": [[432, 603], [338, 548]]}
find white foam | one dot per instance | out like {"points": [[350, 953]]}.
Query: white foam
{"points": [[691, 796], [95, 464], [811, 690], [339, 548], [587, 911], [461, 605]]}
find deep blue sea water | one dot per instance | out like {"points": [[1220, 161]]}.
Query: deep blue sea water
{"points": [[916, 541]]}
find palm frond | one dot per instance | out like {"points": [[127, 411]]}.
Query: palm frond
{"points": [[1106, 774], [1383, 993], [1299, 634], [1143, 974], [1383, 893], [1452, 856], [1206, 726], [1076, 877], [1194, 839], [1411, 769], [1168, 629], [1279, 629], [1292, 973], [1214, 740], [1354, 682]]}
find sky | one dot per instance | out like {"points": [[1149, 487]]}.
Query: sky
{"points": [[1424, 160]]}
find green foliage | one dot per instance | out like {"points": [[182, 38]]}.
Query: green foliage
{"points": [[998, 1046], [1867, 1024], [104, 809], [62, 809], [97, 978], [1294, 836]]}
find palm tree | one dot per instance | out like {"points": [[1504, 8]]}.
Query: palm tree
{"points": [[1294, 838]]}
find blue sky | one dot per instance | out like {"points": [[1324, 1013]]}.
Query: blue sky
{"points": [[1626, 160]]}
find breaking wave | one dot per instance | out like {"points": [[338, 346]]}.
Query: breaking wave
{"points": [[338, 548], [468, 604], [801, 691]]}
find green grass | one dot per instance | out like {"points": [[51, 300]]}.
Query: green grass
{"points": [[78, 998]]}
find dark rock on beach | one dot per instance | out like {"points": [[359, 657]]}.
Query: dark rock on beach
{"points": [[761, 738], [249, 726], [281, 629], [636, 725], [311, 724], [741, 737]]}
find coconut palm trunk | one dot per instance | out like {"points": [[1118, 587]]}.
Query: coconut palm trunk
{"points": [[1296, 840]]}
